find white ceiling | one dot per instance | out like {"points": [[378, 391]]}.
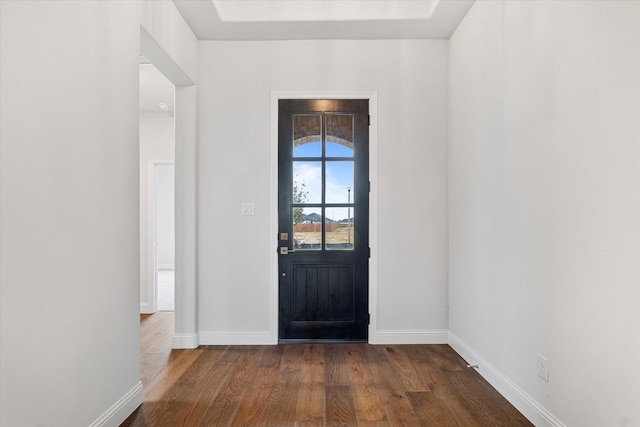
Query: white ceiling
{"points": [[322, 19], [304, 20], [155, 88]]}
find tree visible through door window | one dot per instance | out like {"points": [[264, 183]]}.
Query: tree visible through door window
{"points": [[323, 182]]}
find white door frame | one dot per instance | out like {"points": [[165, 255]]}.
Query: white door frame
{"points": [[186, 172], [373, 200]]}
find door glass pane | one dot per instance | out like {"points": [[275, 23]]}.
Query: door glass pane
{"points": [[307, 182], [339, 182], [307, 229], [307, 136], [339, 135], [339, 229]]}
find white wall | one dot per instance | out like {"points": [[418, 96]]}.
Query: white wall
{"points": [[409, 78], [544, 202], [168, 29], [157, 142], [69, 213], [167, 41]]}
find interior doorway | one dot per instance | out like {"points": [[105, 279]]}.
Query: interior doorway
{"points": [[183, 151], [157, 190], [164, 210]]}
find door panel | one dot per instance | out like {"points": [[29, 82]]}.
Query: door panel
{"points": [[323, 162], [323, 293]]}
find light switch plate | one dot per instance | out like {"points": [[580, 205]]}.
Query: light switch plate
{"points": [[247, 208]]}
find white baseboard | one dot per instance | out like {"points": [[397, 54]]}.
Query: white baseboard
{"points": [[145, 308], [412, 336], [437, 336], [237, 338], [121, 410], [181, 341], [530, 408]]}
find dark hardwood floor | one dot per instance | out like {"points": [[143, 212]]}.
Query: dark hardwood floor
{"points": [[311, 385]]}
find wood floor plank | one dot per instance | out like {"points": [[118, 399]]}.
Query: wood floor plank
{"points": [[403, 367], [183, 403], [443, 357], [336, 371], [309, 424], [429, 412], [291, 362], [219, 414], [206, 391], [152, 364], [367, 402], [154, 333], [397, 408], [271, 356], [311, 384], [488, 407], [340, 409], [283, 399], [244, 367], [156, 343], [313, 367], [232, 353], [391, 391], [162, 383], [444, 400], [425, 372], [311, 403], [253, 410]]}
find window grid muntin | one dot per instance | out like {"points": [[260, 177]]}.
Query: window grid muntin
{"points": [[323, 160]]}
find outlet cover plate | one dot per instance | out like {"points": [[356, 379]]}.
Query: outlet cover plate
{"points": [[247, 208], [542, 367]]}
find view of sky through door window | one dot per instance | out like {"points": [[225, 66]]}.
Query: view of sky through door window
{"points": [[323, 181]]}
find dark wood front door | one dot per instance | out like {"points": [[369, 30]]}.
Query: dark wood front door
{"points": [[323, 208]]}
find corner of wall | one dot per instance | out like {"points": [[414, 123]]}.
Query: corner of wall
{"points": [[185, 341], [530, 408]]}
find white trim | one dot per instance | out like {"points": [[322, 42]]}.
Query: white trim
{"points": [[186, 180], [273, 216], [121, 410], [155, 53], [530, 408], [236, 338], [186, 215], [411, 336], [373, 215], [145, 308], [372, 96], [184, 341], [166, 266]]}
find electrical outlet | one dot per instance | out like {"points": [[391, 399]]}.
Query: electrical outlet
{"points": [[542, 367], [247, 208]]}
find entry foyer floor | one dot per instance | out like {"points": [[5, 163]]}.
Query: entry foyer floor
{"points": [[310, 385]]}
